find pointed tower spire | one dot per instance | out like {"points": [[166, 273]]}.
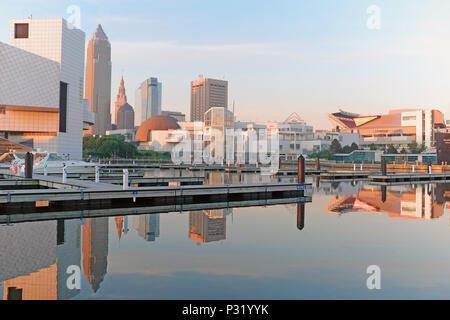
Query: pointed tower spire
{"points": [[121, 98], [100, 34]]}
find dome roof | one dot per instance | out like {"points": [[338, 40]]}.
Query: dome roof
{"points": [[156, 123], [125, 107]]}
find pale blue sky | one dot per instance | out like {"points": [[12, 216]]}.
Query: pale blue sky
{"points": [[309, 57]]}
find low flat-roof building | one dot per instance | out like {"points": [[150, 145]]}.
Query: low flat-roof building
{"points": [[398, 127]]}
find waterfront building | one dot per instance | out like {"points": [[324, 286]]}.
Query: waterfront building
{"points": [[207, 93], [296, 137], [175, 114], [148, 100], [398, 127], [98, 81], [157, 134], [41, 96]]}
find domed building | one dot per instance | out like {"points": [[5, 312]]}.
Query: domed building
{"points": [[157, 134], [125, 117]]}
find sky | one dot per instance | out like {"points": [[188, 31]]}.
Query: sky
{"points": [[280, 57]]}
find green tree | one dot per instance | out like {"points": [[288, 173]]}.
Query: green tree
{"points": [[354, 146], [391, 149], [324, 154], [373, 146], [347, 149], [336, 146], [414, 147]]}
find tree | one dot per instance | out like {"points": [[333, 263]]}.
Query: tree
{"points": [[373, 146], [324, 154], [414, 147], [354, 146], [347, 150], [336, 146], [391, 149]]}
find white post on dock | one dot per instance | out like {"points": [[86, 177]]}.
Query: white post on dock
{"points": [[45, 170], [97, 174], [413, 168], [361, 167], [354, 167], [64, 174], [125, 179]]}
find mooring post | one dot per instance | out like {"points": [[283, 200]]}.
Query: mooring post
{"points": [[361, 167], [413, 168], [97, 174], [301, 169], [354, 166], [318, 164], [64, 174], [125, 179], [430, 167], [45, 170], [300, 215], [29, 165], [383, 194], [383, 167]]}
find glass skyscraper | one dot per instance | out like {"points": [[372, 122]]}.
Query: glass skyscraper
{"points": [[148, 100]]}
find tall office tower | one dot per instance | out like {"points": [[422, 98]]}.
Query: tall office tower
{"points": [[95, 251], [207, 93], [42, 95], [148, 100], [98, 81], [121, 99]]}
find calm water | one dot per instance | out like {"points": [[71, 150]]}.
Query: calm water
{"points": [[243, 253]]}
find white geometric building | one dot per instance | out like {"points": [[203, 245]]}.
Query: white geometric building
{"points": [[41, 86]]}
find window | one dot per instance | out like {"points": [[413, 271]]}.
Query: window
{"points": [[14, 293], [63, 107], [21, 30], [406, 118]]}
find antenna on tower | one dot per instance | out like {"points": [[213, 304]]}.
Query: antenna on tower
{"points": [[233, 108]]}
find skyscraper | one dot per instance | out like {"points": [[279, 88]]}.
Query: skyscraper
{"points": [[98, 81], [148, 100], [121, 99], [207, 93]]}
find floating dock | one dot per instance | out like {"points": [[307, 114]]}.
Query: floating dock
{"points": [[39, 215], [410, 177]]}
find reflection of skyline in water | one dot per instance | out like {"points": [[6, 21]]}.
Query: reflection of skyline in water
{"points": [[34, 256], [405, 202], [208, 225]]}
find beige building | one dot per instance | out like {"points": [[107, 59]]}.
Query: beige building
{"points": [[98, 81], [41, 86], [207, 93]]}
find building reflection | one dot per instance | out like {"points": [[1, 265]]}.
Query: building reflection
{"points": [[399, 202], [121, 226], [95, 251], [208, 225], [147, 226], [37, 256]]}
